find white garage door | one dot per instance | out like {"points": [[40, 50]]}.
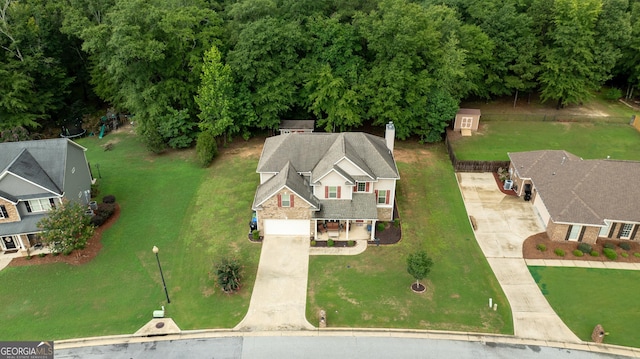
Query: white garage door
{"points": [[541, 210], [287, 227]]}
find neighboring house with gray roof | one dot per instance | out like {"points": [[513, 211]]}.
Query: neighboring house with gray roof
{"points": [[580, 200], [326, 184], [34, 177]]}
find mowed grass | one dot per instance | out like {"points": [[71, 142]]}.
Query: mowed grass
{"points": [[588, 140], [585, 297], [193, 215], [373, 289]]}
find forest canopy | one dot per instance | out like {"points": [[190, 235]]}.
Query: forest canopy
{"points": [[234, 67]]}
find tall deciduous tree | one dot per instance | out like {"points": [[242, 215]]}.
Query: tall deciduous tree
{"points": [[419, 266], [215, 95], [147, 56], [569, 71]]}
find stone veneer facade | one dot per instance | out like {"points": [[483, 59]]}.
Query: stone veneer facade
{"points": [[270, 210]]}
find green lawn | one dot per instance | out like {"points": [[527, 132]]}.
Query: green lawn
{"points": [[587, 140], [193, 215], [584, 297], [373, 289]]}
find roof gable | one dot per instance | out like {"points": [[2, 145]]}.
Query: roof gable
{"points": [[288, 177]]}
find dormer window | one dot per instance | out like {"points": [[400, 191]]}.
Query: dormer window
{"points": [[362, 187]]}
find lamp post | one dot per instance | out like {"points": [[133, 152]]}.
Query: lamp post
{"points": [[156, 250]]}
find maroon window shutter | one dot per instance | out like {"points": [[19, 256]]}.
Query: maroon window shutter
{"points": [[279, 201], [339, 191], [355, 188], [291, 200], [387, 195], [367, 187], [376, 191], [326, 191]]}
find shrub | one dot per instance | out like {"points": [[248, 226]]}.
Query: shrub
{"points": [[206, 148], [380, 226], [636, 254], [330, 242], [541, 247], [585, 248], [609, 245], [578, 253], [612, 94], [94, 190], [624, 254], [351, 243], [396, 222], [610, 253], [313, 243], [229, 273], [42, 255], [255, 234], [103, 213], [559, 252], [625, 245], [595, 253], [109, 199]]}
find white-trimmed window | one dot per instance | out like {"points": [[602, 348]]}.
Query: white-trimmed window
{"points": [[285, 201], [40, 205], [3, 212], [466, 122], [332, 192], [382, 196], [362, 187], [574, 233], [625, 232]]}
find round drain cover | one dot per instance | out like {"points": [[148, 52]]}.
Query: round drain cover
{"points": [[159, 325]]}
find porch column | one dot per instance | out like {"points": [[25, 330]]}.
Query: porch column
{"points": [[22, 247], [315, 229], [347, 227], [373, 230]]}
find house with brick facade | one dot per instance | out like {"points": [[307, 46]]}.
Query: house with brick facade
{"points": [[576, 199], [36, 176], [326, 185]]}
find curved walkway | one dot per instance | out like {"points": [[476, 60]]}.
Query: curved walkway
{"points": [[502, 224]]}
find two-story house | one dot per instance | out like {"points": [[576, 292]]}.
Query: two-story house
{"points": [[36, 176], [326, 184]]}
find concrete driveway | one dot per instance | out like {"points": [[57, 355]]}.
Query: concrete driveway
{"points": [[279, 296], [503, 223]]}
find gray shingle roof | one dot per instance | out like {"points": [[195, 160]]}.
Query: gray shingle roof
{"points": [[582, 191], [317, 153], [362, 206], [286, 177], [27, 224], [50, 156]]}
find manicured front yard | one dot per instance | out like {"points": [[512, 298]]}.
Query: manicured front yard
{"points": [[373, 289], [584, 297], [196, 216], [193, 215], [587, 140]]}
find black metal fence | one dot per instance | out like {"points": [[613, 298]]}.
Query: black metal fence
{"points": [[472, 166]]}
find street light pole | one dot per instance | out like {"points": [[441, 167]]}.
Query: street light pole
{"points": [[156, 250]]}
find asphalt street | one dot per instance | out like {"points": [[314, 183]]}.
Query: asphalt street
{"points": [[257, 347]]}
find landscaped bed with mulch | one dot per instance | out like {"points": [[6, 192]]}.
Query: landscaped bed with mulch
{"points": [[531, 249], [77, 257]]}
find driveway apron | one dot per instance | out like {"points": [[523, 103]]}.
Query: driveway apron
{"points": [[502, 224], [279, 296]]}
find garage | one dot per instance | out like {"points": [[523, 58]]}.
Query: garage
{"points": [[287, 227], [541, 210]]}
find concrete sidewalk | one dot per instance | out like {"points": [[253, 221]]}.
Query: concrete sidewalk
{"points": [[582, 264], [502, 224]]}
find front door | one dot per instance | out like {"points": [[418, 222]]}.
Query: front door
{"points": [[9, 243]]}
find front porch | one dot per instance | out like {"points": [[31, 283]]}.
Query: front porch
{"points": [[344, 230]]}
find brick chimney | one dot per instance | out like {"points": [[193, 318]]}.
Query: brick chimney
{"points": [[390, 135]]}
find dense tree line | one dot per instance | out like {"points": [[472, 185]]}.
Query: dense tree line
{"points": [[226, 68]]}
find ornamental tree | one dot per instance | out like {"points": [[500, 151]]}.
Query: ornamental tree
{"points": [[228, 274], [419, 266], [66, 228]]}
